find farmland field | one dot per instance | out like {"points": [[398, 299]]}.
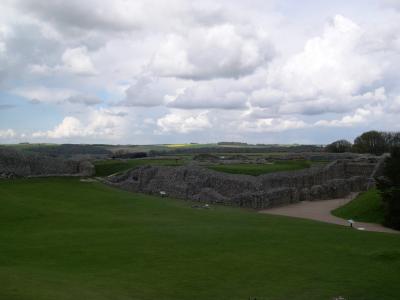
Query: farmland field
{"points": [[66, 239]]}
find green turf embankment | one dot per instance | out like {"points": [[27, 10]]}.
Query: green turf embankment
{"points": [[366, 207], [108, 167], [65, 239], [259, 169]]}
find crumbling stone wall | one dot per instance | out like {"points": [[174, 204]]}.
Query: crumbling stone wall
{"points": [[334, 180], [14, 163]]}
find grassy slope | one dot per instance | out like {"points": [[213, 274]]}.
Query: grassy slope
{"points": [[63, 239], [108, 167], [258, 169], [367, 207]]}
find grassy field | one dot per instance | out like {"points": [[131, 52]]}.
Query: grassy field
{"points": [[108, 167], [66, 239], [258, 169], [367, 207]]}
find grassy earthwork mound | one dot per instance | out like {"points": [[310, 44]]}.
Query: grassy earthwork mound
{"points": [[367, 207], [108, 167], [258, 169]]}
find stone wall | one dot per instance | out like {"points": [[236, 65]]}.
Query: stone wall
{"points": [[14, 163], [334, 180]]}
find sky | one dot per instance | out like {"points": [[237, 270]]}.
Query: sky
{"points": [[177, 71]]}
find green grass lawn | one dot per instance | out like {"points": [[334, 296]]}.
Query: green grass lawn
{"points": [[367, 207], [108, 167], [65, 239], [258, 169]]}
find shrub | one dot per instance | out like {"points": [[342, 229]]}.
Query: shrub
{"points": [[389, 186]]}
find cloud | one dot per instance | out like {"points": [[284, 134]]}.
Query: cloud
{"points": [[78, 61], [146, 91], [271, 125], [209, 68], [331, 68], [267, 97], [4, 31], [43, 94], [392, 4], [84, 99], [220, 51], [69, 127], [360, 116], [209, 95], [7, 133], [324, 104], [99, 124], [394, 107], [73, 15], [183, 122]]}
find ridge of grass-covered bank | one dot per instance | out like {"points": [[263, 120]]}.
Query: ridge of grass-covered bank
{"points": [[66, 239], [366, 207], [108, 167], [259, 169]]}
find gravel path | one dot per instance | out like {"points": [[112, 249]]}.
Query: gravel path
{"points": [[321, 211]]}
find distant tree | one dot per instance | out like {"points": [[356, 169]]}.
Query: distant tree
{"points": [[339, 146], [370, 142], [389, 186]]}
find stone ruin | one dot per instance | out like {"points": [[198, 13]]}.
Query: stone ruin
{"points": [[15, 164], [335, 180]]}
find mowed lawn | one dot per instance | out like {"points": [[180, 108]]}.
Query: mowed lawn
{"points": [[66, 239], [258, 169]]}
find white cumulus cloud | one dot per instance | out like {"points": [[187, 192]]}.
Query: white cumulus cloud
{"points": [[183, 122], [7, 133], [220, 51], [99, 124], [78, 61]]}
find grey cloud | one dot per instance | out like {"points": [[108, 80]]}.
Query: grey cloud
{"points": [[145, 92], [117, 114], [27, 46], [34, 101], [218, 94], [195, 99], [81, 15], [84, 99], [392, 4]]}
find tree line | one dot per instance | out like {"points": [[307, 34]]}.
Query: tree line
{"points": [[373, 142]]}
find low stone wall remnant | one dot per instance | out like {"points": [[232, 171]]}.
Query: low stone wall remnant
{"points": [[335, 180], [15, 164]]}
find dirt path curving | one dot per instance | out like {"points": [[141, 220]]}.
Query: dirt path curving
{"points": [[321, 211]]}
